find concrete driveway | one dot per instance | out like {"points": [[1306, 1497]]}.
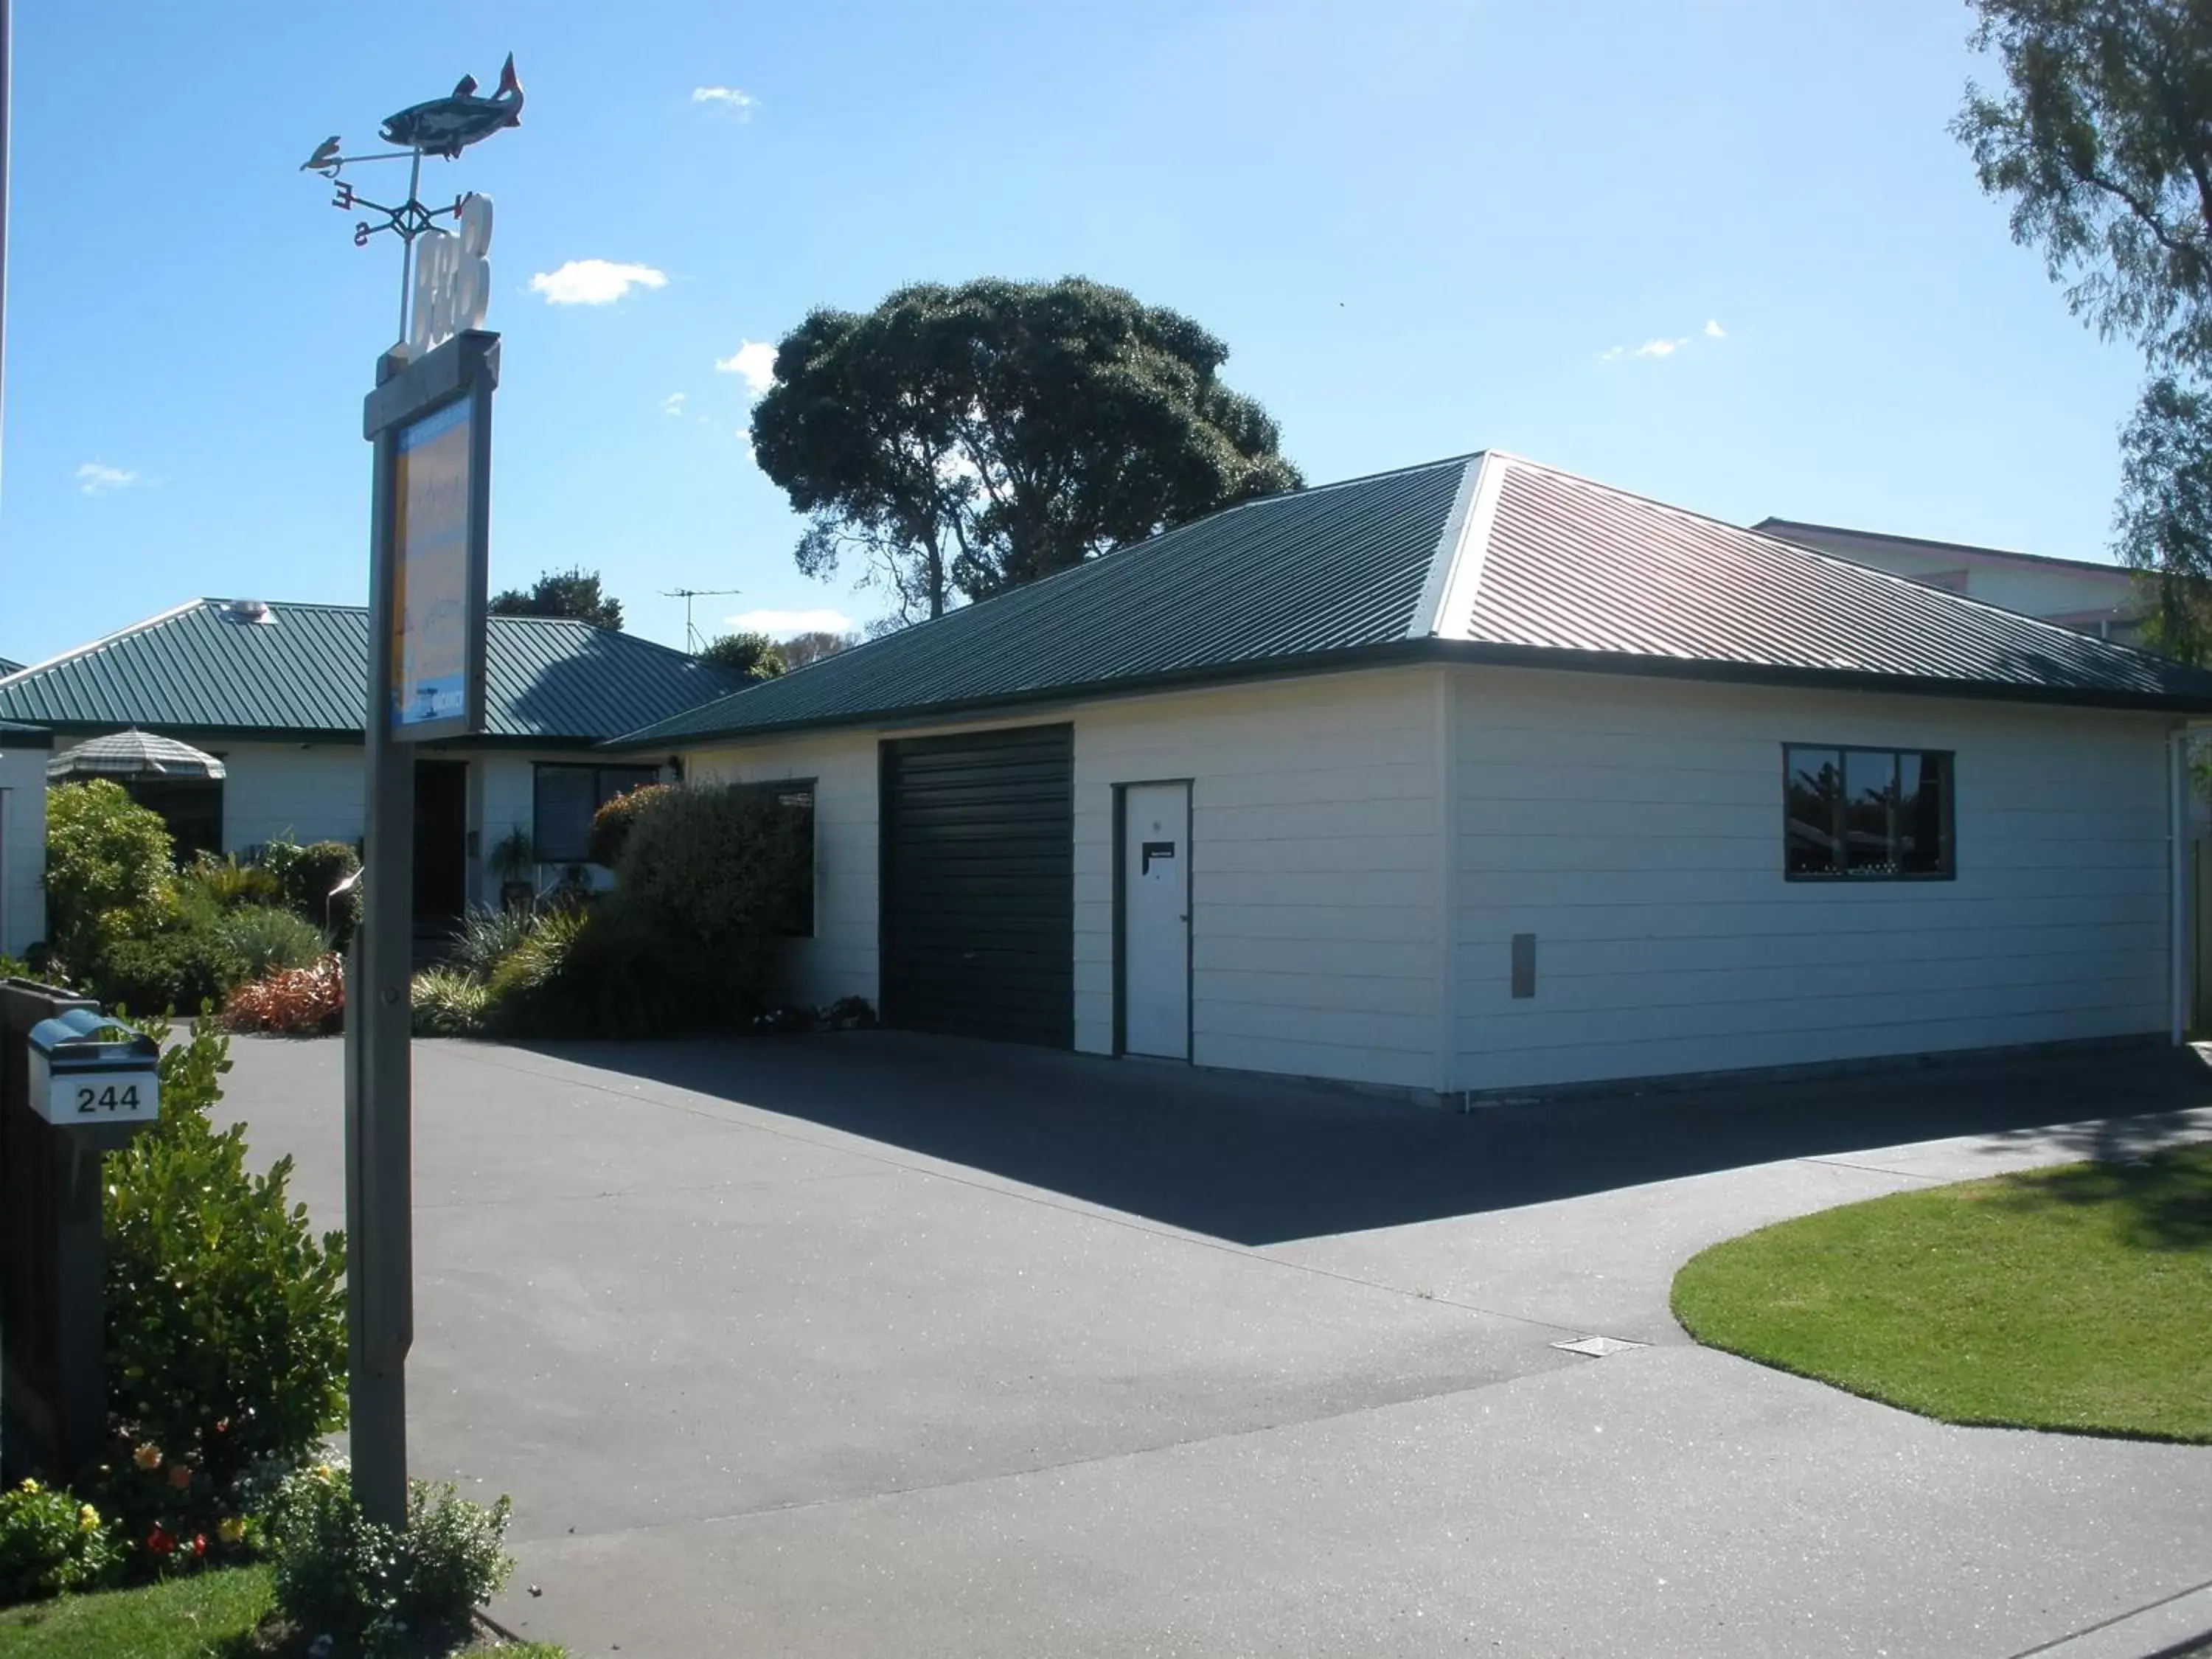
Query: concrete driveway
{"points": [[885, 1344]]}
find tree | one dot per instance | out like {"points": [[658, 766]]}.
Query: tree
{"points": [[754, 655], [2102, 143], [813, 646], [964, 440], [573, 592]]}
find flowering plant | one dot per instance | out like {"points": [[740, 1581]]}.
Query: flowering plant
{"points": [[49, 1542]]}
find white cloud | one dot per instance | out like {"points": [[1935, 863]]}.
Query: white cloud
{"points": [[672, 403], [594, 281], [1660, 347], [1714, 330], [783, 623], [755, 359], [97, 478], [728, 99]]}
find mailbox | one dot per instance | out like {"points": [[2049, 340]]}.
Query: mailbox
{"points": [[87, 1069]]}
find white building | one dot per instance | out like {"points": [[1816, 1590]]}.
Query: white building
{"points": [[276, 692], [1481, 776]]}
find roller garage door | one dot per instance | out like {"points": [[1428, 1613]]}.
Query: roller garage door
{"points": [[979, 884]]}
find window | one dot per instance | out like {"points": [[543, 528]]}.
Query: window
{"points": [[796, 796], [566, 797], [1866, 814]]}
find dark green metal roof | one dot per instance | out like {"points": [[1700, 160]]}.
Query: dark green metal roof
{"points": [[242, 668], [7, 665], [1484, 558], [26, 737]]}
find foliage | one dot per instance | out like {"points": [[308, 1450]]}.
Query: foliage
{"points": [[754, 655], [266, 938], [179, 969], [964, 440], [2069, 1298], [606, 971], [813, 646], [340, 1573], [448, 1002], [573, 592], [611, 824], [487, 937], [309, 875], [108, 869], [225, 883], [2101, 141], [307, 1001], [514, 856], [719, 864], [49, 1542], [225, 1315]]}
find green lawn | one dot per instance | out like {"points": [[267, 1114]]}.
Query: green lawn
{"points": [[211, 1616], [2077, 1298]]}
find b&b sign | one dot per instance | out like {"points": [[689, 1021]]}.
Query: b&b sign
{"points": [[452, 288]]}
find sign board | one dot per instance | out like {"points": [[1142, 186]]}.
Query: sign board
{"points": [[72, 1098], [437, 572], [451, 287]]}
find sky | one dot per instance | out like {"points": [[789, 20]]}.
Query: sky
{"points": [[1723, 252]]}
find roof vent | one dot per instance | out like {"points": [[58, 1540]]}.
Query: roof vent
{"points": [[248, 612]]}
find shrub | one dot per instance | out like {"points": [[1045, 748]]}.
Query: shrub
{"points": [[537, 958], [604, 971], [723, 866], [448, 1003], [225, 1315], [266, 938], [49, 1543], [176, 971], [308, 874], [306, 1001], [108, 868], [226, 884], [339, 1572], [611, 824], [487, 937]]}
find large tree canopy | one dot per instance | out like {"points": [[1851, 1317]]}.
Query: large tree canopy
{"points": [[573, 592], [963, 440], [2101, 140]]}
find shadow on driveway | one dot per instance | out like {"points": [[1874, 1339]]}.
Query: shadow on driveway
{"points": [[1259, 1161]]}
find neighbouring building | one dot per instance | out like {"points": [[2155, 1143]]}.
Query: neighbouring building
{"points": [[1476, 776], [276, 692], [2108, 600]]}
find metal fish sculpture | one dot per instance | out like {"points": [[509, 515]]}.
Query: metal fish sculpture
{"points": [[445, 126]]}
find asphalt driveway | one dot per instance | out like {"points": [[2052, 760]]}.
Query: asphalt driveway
{"points": [[876, 1344]]}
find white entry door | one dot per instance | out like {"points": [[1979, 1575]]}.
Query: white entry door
{"points": [[1156, 920]]}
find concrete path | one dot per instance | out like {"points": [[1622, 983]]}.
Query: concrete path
{"points": [[884, 1345]]}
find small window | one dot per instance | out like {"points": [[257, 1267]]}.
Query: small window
{"points": [[566, 797], [1866, 814], [796, 796]]}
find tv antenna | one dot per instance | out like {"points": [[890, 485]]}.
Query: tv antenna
{"points": [[692, 640]]}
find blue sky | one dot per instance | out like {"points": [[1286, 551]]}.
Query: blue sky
{"points": [[1725, 254]]}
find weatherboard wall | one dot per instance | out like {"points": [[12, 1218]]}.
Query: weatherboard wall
{"points": [[292, 792], [1314, 926], [22, 846], [1635, 827]]}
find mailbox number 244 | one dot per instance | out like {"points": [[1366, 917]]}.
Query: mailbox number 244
{"points": [[94, 1098]]}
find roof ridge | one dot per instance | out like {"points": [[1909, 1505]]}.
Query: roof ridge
{"points": [[145, 625]]}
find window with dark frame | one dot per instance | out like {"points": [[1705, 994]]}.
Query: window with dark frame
{"points": [[564, 797], [796, 796], [1852, 814]]}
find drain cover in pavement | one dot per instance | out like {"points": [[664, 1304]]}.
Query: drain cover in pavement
{"points": [[1598, 1346]]}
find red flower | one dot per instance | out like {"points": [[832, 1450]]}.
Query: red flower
{"points": [[159, 1541], [181, 1475], [199, 1545]]}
